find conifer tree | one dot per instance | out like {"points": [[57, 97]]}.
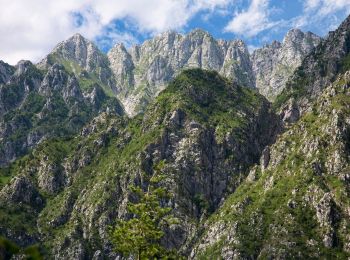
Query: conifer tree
{"points": [[140, 235]]}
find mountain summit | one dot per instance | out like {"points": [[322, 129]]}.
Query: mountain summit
{"points": [[145, 69], [273, 64], [137, 75], [81, 57], [202, 165]]}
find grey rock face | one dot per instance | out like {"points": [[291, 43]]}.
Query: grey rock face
{"points": [[51, 177], [290, 112], [137, 75], [275, 63], [122, 65], [202, 164], [198, 175], [144, 70], [320, 67], [55, 80], [34, 102], [21, 190], [78, 55]]}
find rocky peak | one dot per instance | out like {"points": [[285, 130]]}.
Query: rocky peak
{"points": [[77, 37], [22, 67], [6, 72], [168, 37], [238, 42], [77, 55], [199, 34], [293, 34], [319, 68], [274, 63], [145, 69], [80, 50], [274, 45], [300, 43]]}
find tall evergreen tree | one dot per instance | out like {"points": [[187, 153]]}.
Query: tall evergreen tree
{"points": [[140, 235]]}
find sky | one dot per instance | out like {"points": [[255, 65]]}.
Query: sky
{"points": [[30, 29]]}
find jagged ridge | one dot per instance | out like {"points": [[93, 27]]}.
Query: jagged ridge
{"points": [[318, 70], [36, 105]]}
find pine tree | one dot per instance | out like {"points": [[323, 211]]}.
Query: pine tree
{"points": [[140, 236]]}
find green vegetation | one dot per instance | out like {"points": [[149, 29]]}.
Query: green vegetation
{"points": [[7, 173], [139, 237], [8, 249], [203, 96], [293, 90], [273, 212], [345, 63], [111, 154], [209, 99]]}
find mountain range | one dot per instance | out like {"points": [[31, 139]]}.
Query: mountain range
{"points": [[253, 148], [138, 74]]}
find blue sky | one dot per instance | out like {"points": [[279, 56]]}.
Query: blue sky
{"points": [[38, 25]]}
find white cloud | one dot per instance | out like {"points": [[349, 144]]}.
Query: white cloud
{"points": [[325, 13], [30, 29], [251, 21], [326, 7]]}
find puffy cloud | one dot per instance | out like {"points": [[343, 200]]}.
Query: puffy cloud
{"points": [[30, 29], [325, 13], [326, 7], [253, 20]]}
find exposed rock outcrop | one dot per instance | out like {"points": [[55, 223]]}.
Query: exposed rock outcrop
{"points": [[35, 105], [144, 70], [202, 133], [319, 69], [80, 55], [301, 190], [273, 64]]}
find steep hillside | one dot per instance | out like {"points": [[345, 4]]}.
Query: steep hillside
{"points": [[296, 202], [202, 133], [242, 178], [36, 105], [317, 71], [5, 72]]}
